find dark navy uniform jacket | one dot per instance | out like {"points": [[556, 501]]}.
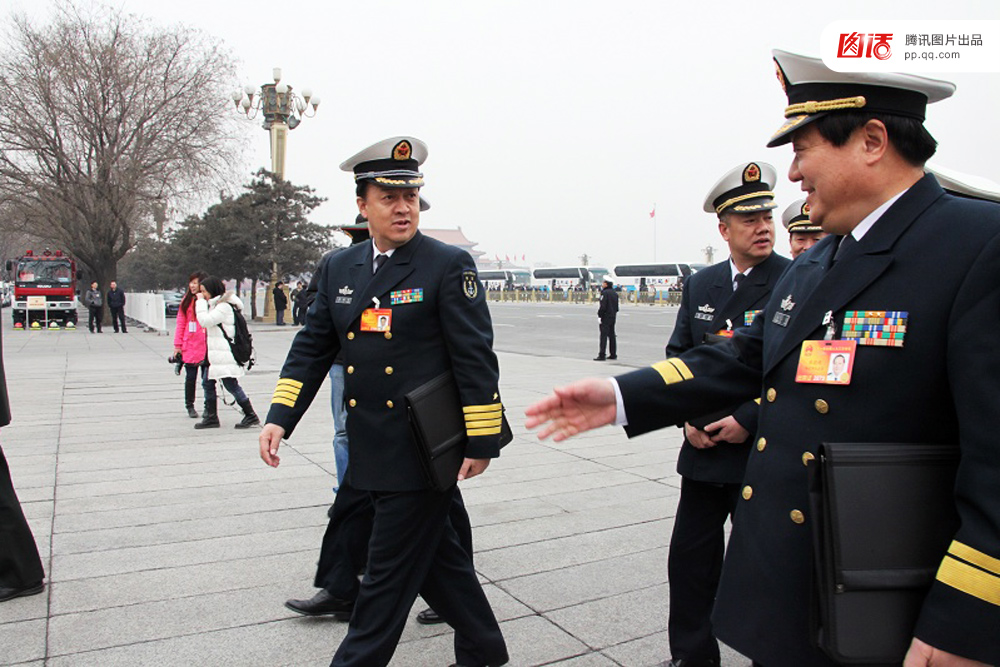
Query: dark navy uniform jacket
{"points": [[707, 302], [607, 308], [440, 322], [937, 257]]}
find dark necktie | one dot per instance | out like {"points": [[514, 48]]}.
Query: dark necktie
{"points": [[847, 244], [738, 279], [379, 261]]}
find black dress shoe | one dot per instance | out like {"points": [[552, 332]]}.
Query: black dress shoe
{"points": [[11, 593], [598, 358], [429, 617], [613, 356], [323, 604]]}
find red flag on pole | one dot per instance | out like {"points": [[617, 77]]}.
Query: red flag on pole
{"points": [[652, 213], [507, 257]]}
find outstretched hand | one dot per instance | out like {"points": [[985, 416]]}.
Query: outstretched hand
{"points": [[584, 405]]}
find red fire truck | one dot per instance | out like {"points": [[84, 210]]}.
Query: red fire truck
{"points": [[44, 290]]}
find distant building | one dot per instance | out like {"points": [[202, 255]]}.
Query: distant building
{"points": [[455, 237]]}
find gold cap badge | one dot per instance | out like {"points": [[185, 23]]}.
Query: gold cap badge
{"points": [[401, 151]]}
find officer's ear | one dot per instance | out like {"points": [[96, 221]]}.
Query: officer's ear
{"points": [[724, 227]]}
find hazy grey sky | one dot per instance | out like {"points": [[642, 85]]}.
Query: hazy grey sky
{"points": [[554, 126]]}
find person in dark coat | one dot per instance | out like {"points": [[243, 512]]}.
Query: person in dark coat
{"points": [[859, 152], [280, 303], [300, 301], [718, 300], [116, 303], [607, 313], [94, 301], [439, 322], [21, 572]]}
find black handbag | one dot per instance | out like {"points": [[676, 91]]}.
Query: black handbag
{"points": [[884, 515]]}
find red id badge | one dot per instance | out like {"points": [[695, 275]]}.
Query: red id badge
{"points": [[826, 361], [376, 319]]}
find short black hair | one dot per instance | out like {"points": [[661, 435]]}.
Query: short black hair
{"points": [[362, 189], [213, 286], [907, 135]]}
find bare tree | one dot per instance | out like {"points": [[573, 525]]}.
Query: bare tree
{"points": [[104, 118]]}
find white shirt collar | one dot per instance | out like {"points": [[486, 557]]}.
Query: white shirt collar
{"points": [[865, 225], [376, 252]]}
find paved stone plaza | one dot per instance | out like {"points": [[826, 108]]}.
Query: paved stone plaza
{"points": [[170, 546]]}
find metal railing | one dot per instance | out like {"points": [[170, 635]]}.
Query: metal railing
{"points": [[147, 309]]}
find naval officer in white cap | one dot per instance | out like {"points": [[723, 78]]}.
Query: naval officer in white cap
{"points": [[715, 303], [404, 309], [908, 279], [803, 233]]}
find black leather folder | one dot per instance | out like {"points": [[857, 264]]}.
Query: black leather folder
{"points": [[438, 425], [883, 517]]}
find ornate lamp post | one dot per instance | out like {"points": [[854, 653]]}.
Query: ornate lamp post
{"points": [[283, 110]]}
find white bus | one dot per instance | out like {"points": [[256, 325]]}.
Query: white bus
{"points": [[505, 279], [567, 278], [650, 277]]}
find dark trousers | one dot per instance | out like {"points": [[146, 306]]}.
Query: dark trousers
{"points": [[191, 379], [96, 315], [298, 314], [344, 552], [20, 565], [118, 315], [414, 550], [694, 565], [609, 341], [279, 316], [232, 385]]}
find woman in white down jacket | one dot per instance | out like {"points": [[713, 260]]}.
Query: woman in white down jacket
{"points": [[214, 310]]}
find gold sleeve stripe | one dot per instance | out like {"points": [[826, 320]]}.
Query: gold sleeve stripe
{"points": [[481, 408], [495, 414], [673, 370], [495, 430], [283, 401], [970, 580], [279, 393], [976, 557], [294, 384], [288, 390], [483, 423]]}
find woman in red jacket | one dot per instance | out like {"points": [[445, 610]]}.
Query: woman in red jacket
{"points": [[190, 341]]}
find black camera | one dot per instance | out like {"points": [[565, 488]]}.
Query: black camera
{"points": [[177, 362]]}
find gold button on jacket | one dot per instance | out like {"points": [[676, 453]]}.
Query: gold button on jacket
{"points": [[797, 516], [388, 370], [772, 394], [747, 492], [807, 457], [350, 369], [388, 404], [822, 406], [352, 402], [761, 444], [350, 335]]}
